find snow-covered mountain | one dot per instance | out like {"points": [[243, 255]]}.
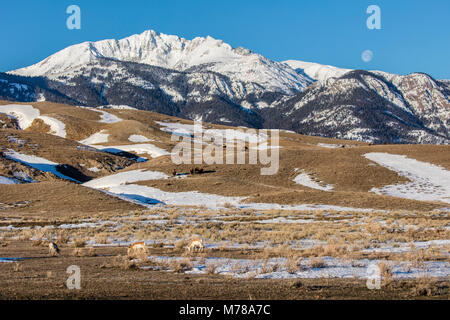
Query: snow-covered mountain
{"points": [[369, 106], [316, 71], [172, 52], [206, 79]]}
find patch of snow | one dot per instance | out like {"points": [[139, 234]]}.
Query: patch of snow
{"points": [[138, 138], [10, 260], [96, 138], [106, 117], [5, 180], [147, 148], [23, 176], [25, 115], [57, 127], [305, 180], [330, 146], [429, 182], [37, 163], [181, 129], [118, 107], [124, 178]]}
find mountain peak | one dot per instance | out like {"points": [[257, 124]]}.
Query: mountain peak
{"points": [[173, 52]]}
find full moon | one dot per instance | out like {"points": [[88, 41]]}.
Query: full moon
{"points": [[367, 56]]}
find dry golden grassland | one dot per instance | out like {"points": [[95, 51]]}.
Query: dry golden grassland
{"points": [[93, 228]]}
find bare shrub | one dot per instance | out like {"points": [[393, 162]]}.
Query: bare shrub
{"points": [[180, 266], [78, 252], [79, 243], [63, 237], [124, 263], [38, 243], [101, 239], [292, 264], [18, 267], [385, 269], [317, 263], [424, 287], [211, 268]]}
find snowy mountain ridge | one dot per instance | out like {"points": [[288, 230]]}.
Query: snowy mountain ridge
{"points": [[316, 71], [207, 79], [173, 52]]}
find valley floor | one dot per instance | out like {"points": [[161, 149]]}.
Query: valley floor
{"points": [[42, 277], [248, 255]]}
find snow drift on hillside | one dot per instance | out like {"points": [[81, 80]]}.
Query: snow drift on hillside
{"points": [[123, 178], [96, 138], [144, 148], [138, 138], [5, 180], [429, 182], [37, 163], [107, 117], [25, 115], [305, 180]]}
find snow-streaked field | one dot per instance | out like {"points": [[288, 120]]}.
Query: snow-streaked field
{"points": [[429, 182], [274, 268], [121, 185]]}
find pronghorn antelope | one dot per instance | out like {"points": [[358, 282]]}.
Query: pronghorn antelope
{"points": [[195, 244], [137, 249], [53, 249]]}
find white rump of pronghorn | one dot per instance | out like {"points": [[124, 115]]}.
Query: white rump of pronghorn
{"points": [[195, 244], [53, 249], [137, 249]]}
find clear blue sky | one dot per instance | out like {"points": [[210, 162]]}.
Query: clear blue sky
{"points": [[415, 34]]}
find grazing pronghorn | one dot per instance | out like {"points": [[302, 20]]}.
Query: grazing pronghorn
{"points": [[137, 249], [53, 249], [195, 244]]}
